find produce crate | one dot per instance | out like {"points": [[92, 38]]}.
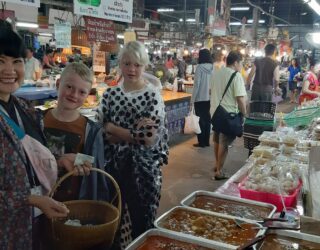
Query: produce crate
{"points": [[262, 110], [257, 126], [301, 117], [250, 141], [274, 199]]}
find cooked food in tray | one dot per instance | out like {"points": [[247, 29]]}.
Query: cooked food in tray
{"points": [[280, 242], [234, 208], [207, 226], [164, 243]]}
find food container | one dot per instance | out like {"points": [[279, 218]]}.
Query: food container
{"points": [[233, 206], [297, 239], [198, 245], [196, 224], [275, 199]]}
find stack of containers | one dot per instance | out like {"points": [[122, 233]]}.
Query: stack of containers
{"points": [[260, 119]]}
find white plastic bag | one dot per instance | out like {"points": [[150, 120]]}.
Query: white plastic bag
{"points": [[191, 124]]}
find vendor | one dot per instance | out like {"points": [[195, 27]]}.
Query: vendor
{"points": [[310, 84], [294, 69], [32, 66], [47, 61]]}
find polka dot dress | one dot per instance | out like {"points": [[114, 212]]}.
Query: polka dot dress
{"points": [[136, 166]]}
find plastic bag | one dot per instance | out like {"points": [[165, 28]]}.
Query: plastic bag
{"points": [[191, 124]]}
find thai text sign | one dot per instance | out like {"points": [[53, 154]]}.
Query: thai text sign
{"points": [[31, 3], [62, 34], [100, 30], [117, 10], [99, 61]]}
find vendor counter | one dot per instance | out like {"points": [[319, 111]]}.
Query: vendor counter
{"points": [[177, 106]]}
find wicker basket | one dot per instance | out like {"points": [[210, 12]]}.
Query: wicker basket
{"points": [[103, 216]]}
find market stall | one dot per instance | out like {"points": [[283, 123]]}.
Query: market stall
{"points": [[36, 93], [177, 108]]}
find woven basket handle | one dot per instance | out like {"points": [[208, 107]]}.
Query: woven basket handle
{"points": [[115, 184]]}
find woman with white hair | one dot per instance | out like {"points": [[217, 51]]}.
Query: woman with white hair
{"points": [[135, 142]]}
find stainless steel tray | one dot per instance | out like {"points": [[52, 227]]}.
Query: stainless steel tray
{"points": [[294, 234], [190, 199], [220, 244], [159, 232]]}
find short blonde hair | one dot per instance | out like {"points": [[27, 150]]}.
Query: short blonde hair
{"points": [[80, 69], [135, 50]]}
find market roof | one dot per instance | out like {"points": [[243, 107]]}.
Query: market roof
{"points": [[291, 11]]}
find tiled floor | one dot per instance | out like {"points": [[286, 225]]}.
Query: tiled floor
{"points": [[191, 168]]}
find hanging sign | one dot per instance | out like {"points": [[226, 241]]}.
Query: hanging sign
{"points": [[99, 61], [31, 3], [62, 34], [117, 10], [100, 30]]}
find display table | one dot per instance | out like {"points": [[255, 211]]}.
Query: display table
{"points": [[177, 106], [230, 187], [36, 93]]}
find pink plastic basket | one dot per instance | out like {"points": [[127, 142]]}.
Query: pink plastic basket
{"points": [[275, 199]]}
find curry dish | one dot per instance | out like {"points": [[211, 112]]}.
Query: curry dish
{"points": [[209, 226], [279, 242], [234, 208], [164, 243]]}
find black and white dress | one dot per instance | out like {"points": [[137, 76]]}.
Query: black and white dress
{"points": [[136, 167]]}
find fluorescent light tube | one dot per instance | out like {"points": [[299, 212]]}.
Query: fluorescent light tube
{"points": [[27, 25], [45, 34], [234, 23], [239, 8], [165, 10], [260, 21], [315, 6]]}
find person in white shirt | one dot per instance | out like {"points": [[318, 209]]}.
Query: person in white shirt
{"points": [[233, 101], [32, 66]]}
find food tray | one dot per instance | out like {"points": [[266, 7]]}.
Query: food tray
{"points": [[221, 245], [190, 199], [293, 234], [171, 235], [301, 117], [275, 199]]}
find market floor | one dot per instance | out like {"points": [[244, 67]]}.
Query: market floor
{"points": [[191, 168]]}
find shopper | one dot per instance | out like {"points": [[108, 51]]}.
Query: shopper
{"points": [[266, 75], [47, 61], [169, 62], [135, 142], [233, 101], [201, 96], [32, 66], [310, 84], [294, 69], [68, 132], [19, 185], [182, 67]]}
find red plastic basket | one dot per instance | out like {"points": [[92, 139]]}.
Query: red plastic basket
{"points": [[274, 199]]}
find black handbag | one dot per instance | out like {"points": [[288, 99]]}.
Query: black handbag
{"points": [[224, 122]]}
